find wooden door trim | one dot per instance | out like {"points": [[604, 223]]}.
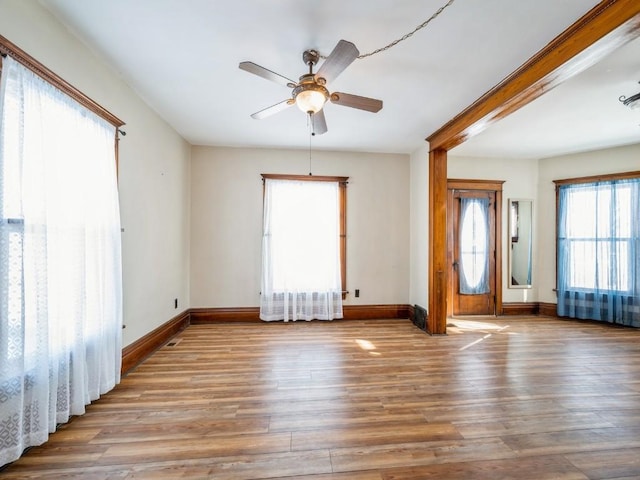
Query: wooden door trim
{"points": [[474, 184], [495, 186]]}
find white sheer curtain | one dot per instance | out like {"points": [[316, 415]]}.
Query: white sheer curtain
{"points": [[474, 246], [60, 259], [301, 251]]}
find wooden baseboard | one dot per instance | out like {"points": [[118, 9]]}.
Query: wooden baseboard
{"points": [[370, 312], [252, 314], [520, 308], [235, 314], [547, 309], [135, 353]]}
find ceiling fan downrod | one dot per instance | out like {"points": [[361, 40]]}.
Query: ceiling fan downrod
{"points": [[310, 57]]}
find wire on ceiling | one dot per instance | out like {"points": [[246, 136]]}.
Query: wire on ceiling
{"points": [[405, 36]]}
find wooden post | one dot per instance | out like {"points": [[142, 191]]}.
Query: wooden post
{"points": [[438, 268]]}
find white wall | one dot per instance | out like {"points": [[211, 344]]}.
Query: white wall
{"points": [[614, 160], [419, 228], [154, 169], [520, 178], [226, 222]]}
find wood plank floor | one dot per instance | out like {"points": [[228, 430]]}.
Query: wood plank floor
{"points": [[497, 398]]}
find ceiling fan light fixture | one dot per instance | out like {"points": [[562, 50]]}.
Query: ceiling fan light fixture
{"points": [[309, 95], [310, 101]]}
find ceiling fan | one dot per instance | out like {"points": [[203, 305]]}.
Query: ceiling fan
{"points": [[310, 92]]}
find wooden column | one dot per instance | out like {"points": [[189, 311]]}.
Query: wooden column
{"points": [[437, 315]]}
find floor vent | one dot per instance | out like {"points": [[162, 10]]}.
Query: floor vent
{"points": [[419, 317], [173, 342]]}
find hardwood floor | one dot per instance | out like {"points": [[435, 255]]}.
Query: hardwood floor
{"points": [[504, 398]]}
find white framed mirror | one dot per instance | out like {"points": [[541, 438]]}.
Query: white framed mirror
{"points": [[520, 242]]}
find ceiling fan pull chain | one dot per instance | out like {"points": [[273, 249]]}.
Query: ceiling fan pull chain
{"points": [[404, 37], [310, 124]]}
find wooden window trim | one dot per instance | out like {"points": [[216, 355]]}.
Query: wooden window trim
{"points": [[15, 52], [19, 55], [578, 180], [342, 204], [598, 178]]}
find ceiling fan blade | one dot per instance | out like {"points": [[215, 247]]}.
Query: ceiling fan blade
{"points": [[273, 109], [340, 58], [318, 123], [356, 101], [266, 73]]}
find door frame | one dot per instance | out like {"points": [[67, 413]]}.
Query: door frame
{"points": [[487, 185]]}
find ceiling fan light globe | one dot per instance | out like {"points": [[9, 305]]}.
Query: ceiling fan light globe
{"points": [[310, 101]]}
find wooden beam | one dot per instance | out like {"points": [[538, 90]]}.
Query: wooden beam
{"points": [[605, 28]]}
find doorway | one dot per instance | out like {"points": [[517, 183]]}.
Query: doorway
{"points": [[474, 246]]}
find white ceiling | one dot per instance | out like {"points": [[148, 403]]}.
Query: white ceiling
{"points": [[581, 114], [182, 57]]}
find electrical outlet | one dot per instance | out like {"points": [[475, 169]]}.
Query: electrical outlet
{"points": [[357, 292], [175, 303]]}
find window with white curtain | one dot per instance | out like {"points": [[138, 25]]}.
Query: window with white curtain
{"points": [[474, 246], [599, 250], [60, 258], [302, 248]]}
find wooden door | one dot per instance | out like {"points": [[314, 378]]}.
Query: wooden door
{"points": [[473, 241]]}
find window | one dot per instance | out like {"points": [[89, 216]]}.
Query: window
{"points": [[303, 252], [598, 248], [60, 258]]}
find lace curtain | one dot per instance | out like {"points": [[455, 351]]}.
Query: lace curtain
{"points": [[300, 251], [60, 259], [474, 246], [599, 251]]}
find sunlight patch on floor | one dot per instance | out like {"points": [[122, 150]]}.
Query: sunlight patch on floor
{"points": [[456, 325], [365, 344], [368, 347]]}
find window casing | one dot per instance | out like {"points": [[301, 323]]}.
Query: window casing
{"points": [[9, 48], [342, 205], [598, 248]]}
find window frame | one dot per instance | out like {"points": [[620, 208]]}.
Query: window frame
{"points": [[580, 180], [342, 206]]}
